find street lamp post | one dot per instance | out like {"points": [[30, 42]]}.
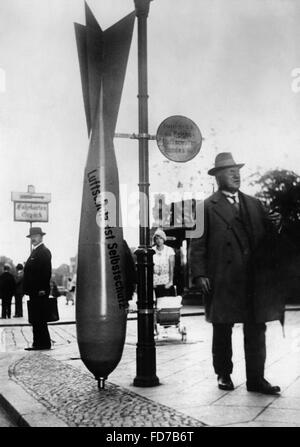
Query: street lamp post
{"points": [[146, 354], [31, 190]]}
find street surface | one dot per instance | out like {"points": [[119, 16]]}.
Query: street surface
{"points": [[187, 395]]}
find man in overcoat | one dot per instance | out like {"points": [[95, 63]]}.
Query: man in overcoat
{"points": [[37, 275], [234, 263], [19, 291]]}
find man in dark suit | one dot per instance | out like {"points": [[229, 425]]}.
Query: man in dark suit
{"points": [[37, 274], [7, 289], [234, 264], [19, 291]]}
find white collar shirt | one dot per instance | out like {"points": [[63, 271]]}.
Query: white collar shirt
{"points": [[231, 197], [36, 246]]}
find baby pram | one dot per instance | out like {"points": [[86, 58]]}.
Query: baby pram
{"points": [[167, 313]]}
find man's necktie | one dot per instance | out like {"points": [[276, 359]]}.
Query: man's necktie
{"points": [[235, 203]]}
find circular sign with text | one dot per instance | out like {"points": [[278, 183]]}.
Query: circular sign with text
{"points": [[179, 138]]}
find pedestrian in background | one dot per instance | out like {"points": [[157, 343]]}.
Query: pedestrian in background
{"points": [[71, 287], [7, 290], [37, 275], [234, 264], [19, 291], [164, 261], [54, 289]]}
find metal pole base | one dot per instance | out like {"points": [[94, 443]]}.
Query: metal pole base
{"points": [[145, 352], [146, 381]]}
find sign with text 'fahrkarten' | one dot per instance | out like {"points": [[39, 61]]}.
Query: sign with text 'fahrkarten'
{"points": [[31, 206], [30, 212]]}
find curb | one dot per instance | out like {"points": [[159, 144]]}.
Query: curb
{"points": [[133, 316], [13, 414], [21, 407]]}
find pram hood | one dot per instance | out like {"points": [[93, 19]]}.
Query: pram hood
{"points": [[169, 302]]}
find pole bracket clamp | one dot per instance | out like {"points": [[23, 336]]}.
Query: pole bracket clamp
{"points": [[145, 311]]}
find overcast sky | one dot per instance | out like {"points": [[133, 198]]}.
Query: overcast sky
{"points": [[226, 64]]}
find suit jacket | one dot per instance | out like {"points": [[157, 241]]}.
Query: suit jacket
{"points": [[37, 271], [240, 275], [7, 285]]}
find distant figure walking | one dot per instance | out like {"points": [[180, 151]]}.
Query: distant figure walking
{"points": [[7, 289], [71, 286], [37, 275], [19, 291], [54, 289]]}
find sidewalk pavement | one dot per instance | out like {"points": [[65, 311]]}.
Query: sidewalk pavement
{"points": [[54, 388]]}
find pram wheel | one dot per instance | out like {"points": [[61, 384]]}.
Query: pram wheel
{"points": [[182, 331]]}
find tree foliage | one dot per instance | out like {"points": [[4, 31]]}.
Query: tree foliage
{"points": [[60, 274], [280, 191]]}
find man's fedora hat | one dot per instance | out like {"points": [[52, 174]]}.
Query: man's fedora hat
{"points": [[35, 230], [224, 160]]}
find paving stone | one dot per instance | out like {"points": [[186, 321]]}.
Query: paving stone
{"points": [[264, 424], [293, 390], [223, 415], [190, 397], [233, 399], [69, 394], [280, 415], [292, 403]]}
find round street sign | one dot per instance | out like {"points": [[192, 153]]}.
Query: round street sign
{"points": [[179, 138]]}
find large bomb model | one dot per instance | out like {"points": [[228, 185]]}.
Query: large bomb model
{"points": [[101, 301]]}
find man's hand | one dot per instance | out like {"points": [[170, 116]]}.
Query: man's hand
{"points": [[276, 219], [204, 284], [42, 293]]}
